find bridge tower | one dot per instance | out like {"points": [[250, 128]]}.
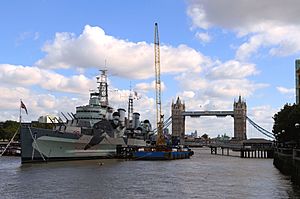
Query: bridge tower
{"points": [[178, 121], [239, 115]]}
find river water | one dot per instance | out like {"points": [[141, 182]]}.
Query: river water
{"points": [[202, 176]]}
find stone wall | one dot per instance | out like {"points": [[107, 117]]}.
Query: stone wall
{"points": [[287, 161]]}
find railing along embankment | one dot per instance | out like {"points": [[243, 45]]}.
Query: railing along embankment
{"points": [[287, 161]]}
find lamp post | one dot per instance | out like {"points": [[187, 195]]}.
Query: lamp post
{"points": [[277, 139], [282, 134], [297, 126]]}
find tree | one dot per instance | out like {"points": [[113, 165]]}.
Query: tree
{"points": [[205, 136], [284, 127], [8, 129]]}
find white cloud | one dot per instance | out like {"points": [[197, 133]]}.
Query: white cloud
{"points": [[125, 58], [37, 104], [284, 90], [46, 79], [242, 14], [146, 87], [222, 80], [268, 24], [233, 87], [188, 94], [232, 70], [203, 37], [262, 116], [27, 36]]}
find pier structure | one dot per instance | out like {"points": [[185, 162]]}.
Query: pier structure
{"points": [[252, 148], [10, 149]]}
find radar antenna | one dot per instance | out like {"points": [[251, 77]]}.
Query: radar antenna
{"points": [[103, 94]]}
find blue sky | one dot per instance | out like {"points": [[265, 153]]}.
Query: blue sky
{"points": [[211, 52]]}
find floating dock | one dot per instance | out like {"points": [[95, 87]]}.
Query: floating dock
{"points": [[154, 153]]}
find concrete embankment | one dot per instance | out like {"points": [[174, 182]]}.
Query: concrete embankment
{"points": [[287, 160]]}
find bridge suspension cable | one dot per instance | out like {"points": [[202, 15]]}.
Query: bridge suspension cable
{"points": [[260, 129], [166, 124]]}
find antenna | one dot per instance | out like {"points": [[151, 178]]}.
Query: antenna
{"points": [[103, 91], [130, 106]]}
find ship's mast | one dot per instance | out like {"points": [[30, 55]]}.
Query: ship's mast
{"points": [[130, 107], [159, 117], [103, 93]]}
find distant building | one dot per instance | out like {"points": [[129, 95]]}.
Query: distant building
{"points": [[297, 73], [194, 134], [47, 119]]}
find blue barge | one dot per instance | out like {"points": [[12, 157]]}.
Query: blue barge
{"points": [[161, 155], [153, 152]]}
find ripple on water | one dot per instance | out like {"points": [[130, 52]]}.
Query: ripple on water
{"points": [[202, 176]]}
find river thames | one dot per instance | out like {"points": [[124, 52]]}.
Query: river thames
{"points": [[202, 176]]}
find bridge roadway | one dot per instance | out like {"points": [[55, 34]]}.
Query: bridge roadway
{"points": [[208, 113]]}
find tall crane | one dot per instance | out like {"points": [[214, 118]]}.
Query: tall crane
{"points": [[159, 117]]}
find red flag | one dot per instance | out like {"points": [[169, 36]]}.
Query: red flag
{"points": [[24, 107]]}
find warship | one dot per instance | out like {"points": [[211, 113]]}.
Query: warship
{"points": [[94, 131]]}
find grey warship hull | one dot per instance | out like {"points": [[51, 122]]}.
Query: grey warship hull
{"points": [[40, 145]]}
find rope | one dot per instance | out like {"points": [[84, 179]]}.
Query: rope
{"points": [[37, 146], [10, 141]]}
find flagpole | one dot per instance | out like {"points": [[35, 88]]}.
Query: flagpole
{"points": [[20, 112]]}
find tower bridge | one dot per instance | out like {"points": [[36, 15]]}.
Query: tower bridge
{"points": [[208, 113], [239, 114]]}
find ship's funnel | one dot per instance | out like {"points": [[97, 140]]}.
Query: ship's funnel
{"points": [[122, 111], [136, 120], [147, 125], [109, 114]]}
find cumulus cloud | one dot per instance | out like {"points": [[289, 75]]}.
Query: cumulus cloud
{"points": [[39, 104], [268, 24], [46, 79], [203, 37], [27, 35], [146, 87], [188, 94], [232, 70], [242, 14], [261, 116], [233, 87], [125, 58], [284, 90], [221, 80]]}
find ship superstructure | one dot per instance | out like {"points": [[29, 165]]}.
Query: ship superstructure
{"points": [[94, 131]]}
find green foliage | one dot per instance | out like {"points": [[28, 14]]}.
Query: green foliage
{"points": [[205, 136], [284, 127], [42, 125], [8, 129], [223, 137]]}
